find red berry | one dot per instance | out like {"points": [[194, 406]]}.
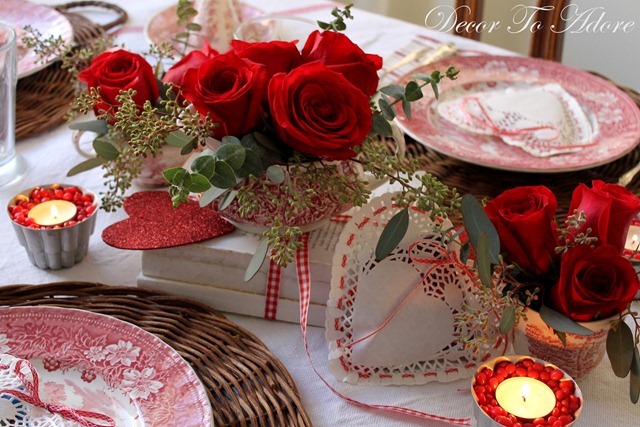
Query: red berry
{"points": [[504, 421], [481, 379], [556, 375]]}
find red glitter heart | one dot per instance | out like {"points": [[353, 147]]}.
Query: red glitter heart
{"points": [[154, 223]]}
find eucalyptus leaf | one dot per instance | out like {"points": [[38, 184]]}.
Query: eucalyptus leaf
{"points": [[230, 139], [483, 261], [508, 319], [395, 91], [434, 87], [105, 149], [386, 109], [252, 165], [562, 323], [620, 349], [634, 380], [422, 76], [257, 260], [381, 126], [464, 252], [96, 126], [199, 183], [86, 165], [275, 174], [392, 234], [412, 91], [223, 176], [210, 195], [186, 149], [267, 142], [181, 35], [406, 107], [204, 165], [233, 154], [562, 336], [476, 222], [192, 26], [176, 176], [178, 138], [227, 199]]}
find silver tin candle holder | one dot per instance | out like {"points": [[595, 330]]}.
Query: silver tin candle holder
{"points": [[55, 248], [482, 419]]}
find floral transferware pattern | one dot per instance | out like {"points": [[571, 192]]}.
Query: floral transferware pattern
{"points": [[99, 363], [614, 117]]}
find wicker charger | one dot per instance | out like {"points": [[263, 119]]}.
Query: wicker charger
{"points": [[43, 99], [246, 384]]}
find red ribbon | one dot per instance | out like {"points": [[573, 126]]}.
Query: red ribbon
{"points": [[32, 396]]}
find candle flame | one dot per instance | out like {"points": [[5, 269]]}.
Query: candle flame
{"points": [[54, 212]]}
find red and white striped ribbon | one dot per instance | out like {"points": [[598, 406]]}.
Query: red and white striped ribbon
{"points": [[272, 292]]}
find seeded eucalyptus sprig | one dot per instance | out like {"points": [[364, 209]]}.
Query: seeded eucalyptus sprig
{"points": [[337, 24], [186, 13]]}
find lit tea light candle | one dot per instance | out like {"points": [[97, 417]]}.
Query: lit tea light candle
{"points": [[526, 397], [633, 238], [53, 212]]}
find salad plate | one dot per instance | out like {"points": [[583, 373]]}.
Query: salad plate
{"points": [[46, 20], [97, 363], [601, 121]]}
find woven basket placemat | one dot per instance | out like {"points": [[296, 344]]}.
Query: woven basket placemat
{"points": [[43, 99], [246, 384]]}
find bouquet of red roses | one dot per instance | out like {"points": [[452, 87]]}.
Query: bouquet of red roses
{"points": [[570, 272]]}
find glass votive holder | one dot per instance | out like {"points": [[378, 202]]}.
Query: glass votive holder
{"points": [[51, 244], [522, 389], [275, 27]]}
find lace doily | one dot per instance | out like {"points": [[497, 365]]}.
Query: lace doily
{"points": [[392, 321], [542, 120]]}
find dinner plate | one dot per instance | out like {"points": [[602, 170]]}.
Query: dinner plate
{"points": [[614, 117], [48, 21], [101, 364], [163, 26]]}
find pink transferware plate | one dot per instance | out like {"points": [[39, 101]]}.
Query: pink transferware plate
{"points": [[48, 21], [163, 26], [613, 118], [98, 363]]}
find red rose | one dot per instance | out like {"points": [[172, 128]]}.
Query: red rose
{"points": [[317, 111], [117, 71], [193, 59], [523, 218], [609, 209], [594, 283], [229, 89], [276, 56], [340, 54]]}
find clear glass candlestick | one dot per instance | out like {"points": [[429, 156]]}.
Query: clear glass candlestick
{"points": [[12, 166]]}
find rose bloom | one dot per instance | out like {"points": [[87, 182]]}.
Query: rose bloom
{"points": [[277, 56], [317, 111], [523, 217], [193, 59], [593, 283], [609, 209], [116, 71], [340, 54], [229, 89]]}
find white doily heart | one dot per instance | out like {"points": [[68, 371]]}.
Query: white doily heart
{"points": [[392, 321], [543, 120]]}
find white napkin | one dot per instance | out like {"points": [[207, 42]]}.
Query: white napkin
{"points": [[541, 120]]}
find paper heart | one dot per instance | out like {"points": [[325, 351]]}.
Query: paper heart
{"points": [[392, 321], [154, 223]]}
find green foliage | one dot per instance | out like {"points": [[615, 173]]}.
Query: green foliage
{"points": [[392, 234], [337, 24], [562, 323], [620, 348], [476, 222]]}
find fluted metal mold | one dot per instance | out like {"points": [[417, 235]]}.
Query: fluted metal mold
{"points": [[60, 248]]}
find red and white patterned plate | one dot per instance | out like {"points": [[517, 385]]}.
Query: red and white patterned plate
{"points": [[48, 21], [614, 117], [101, 364]]}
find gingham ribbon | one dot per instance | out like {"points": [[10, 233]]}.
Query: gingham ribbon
{"points": [[273, 291], [32, 396], [304, 283]]}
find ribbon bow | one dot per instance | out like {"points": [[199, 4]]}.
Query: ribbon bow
{"points": [[32, 396], [485, 120]]}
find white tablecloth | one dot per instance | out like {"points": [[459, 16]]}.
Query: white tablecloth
{"points": [[51, 155]]}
